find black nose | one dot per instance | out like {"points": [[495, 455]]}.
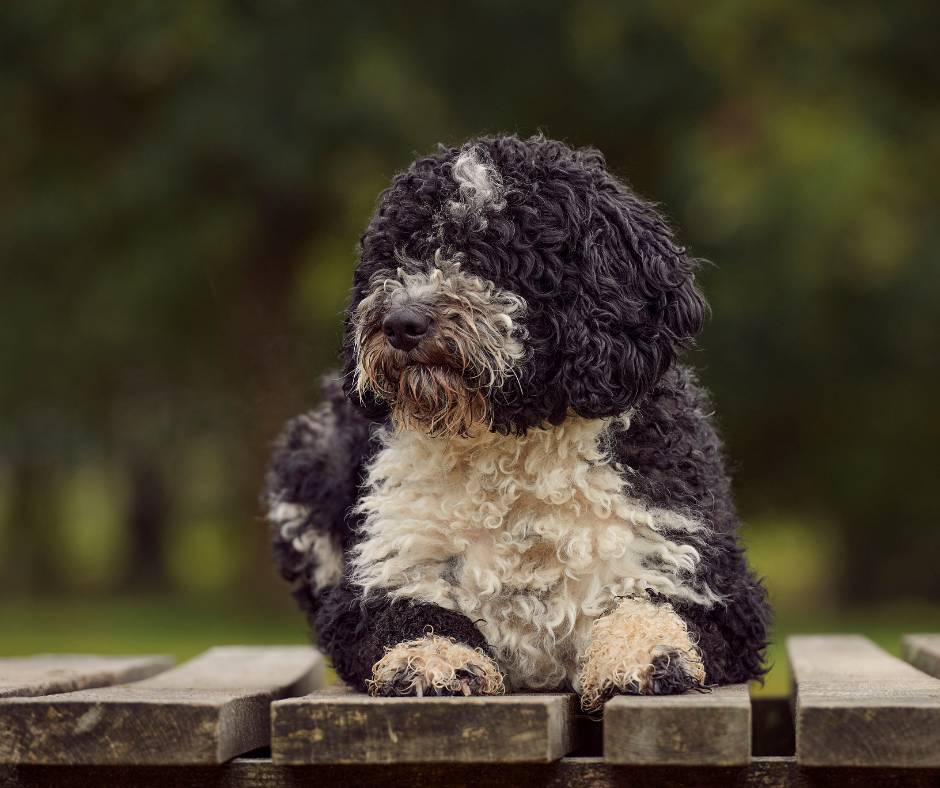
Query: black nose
{"points": [[405, 327]]}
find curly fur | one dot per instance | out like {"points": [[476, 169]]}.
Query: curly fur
{"points": [[479, 187], [541, 454], [634, 649], [613, 294], [433, 665], [533, 552]]}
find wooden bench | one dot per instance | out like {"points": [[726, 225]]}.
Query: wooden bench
{"points": [[260, 716]]}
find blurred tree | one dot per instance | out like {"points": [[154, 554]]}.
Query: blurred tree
{"points": [[182, 185]]}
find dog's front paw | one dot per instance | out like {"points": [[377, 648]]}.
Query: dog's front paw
{"points": [[433, 665], [640, 648]]}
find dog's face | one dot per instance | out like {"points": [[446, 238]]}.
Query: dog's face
{"points": [[434, 342], [509, 284]]}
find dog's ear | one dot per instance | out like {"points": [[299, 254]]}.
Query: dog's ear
{"points": [[639, 307]]}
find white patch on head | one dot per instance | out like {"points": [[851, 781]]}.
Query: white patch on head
{"points": [[479, 187], [533, 537], [314, 547]]}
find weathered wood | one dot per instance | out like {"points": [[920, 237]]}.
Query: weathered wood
{"points": [[205, 711], [566, 773], [923, 652], [46, 674], [696, 728], [856, 705], [339, 726]]}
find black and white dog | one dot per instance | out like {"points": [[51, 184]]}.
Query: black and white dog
{"points": [[517, 486]]}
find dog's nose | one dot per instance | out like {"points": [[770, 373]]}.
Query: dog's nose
{"points": [[405, 328]]}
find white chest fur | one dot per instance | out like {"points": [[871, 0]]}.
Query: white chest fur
{"points": [[531, 537]]}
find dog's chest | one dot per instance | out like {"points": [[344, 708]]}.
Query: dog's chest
{"points": [[531, 537]]}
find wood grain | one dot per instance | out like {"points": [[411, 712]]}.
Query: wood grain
{"points": [[856, 705], [205, 711], [338, 726], [923, 652], [46, 674], [696, 728]]}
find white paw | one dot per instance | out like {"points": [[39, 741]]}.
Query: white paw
{"points": [[639, 648], [433, 665]]}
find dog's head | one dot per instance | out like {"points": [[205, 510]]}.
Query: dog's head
{"points": [[510, 283]]}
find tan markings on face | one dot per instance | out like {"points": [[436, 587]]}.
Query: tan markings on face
{"points": [[474, 342]]}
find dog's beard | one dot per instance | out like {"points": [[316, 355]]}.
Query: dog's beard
{"points": [[437, 401], [442, 386], [426, 389]]}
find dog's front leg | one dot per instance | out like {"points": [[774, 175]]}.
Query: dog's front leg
{"points": [[640, 647], [399, 647]]}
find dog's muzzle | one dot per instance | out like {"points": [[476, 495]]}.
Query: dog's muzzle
{"points": [[433, 343]]}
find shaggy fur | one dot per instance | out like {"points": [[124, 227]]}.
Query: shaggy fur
{"points": [[536, 484], [472, 350], [546, 543]]}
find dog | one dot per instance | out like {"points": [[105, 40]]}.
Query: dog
{"points": [[515, 484]]}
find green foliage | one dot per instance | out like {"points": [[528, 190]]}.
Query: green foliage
{"points": [[89, 529], [798, 562], [182, 186]]}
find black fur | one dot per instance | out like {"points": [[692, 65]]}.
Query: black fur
{"points": [[356, 633], [611, 302], [666, 678], [611, 296], [676, 461]]}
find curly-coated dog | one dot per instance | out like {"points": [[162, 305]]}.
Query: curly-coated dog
{"points": [[516, 485]]}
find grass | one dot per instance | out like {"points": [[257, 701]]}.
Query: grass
{"points": [[179, 626], [183, 627]]}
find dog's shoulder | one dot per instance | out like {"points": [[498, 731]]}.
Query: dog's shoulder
{"points": [[671, 450], [319, 456]]}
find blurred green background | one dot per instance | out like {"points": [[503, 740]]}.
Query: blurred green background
{"points": [[182, 185]]}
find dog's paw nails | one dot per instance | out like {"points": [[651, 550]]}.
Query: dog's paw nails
{"points": [[434, 665], [668, 672]]}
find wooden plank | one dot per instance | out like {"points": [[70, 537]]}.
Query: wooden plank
{"points": [[768, 772], [205, 711], [338, 726], [923, 652], [46, 674], [696, 728], [856, 705]]}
